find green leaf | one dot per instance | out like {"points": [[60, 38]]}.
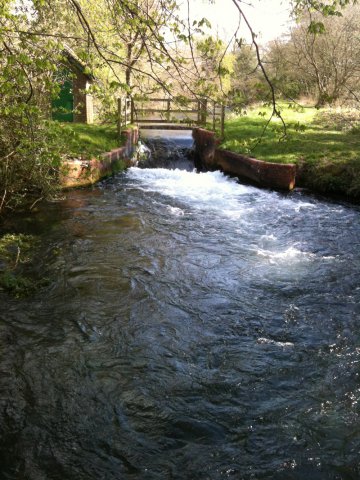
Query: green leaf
{"points": [[316, 28]]}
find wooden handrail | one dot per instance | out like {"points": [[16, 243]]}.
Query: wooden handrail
{"points": [[129, 112]]}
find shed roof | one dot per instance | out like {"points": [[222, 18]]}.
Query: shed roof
{"points": [[77, 63]]}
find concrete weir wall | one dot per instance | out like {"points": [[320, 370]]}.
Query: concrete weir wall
{"points": [[81, 173], [265, 174]]}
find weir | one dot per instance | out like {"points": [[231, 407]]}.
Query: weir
{"points": [[168, 148], [207, 157]]}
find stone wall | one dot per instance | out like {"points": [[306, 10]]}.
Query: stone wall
{"points": [[80, 173], [265, 174]]}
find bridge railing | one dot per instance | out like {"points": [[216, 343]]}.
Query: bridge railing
{"points": [[124, 113], [165, 110], [191, 112]]}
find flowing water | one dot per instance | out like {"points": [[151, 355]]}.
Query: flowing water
{"points": [[191, 328]]}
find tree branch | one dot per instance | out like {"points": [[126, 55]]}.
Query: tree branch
{"points": [[275, 111]]}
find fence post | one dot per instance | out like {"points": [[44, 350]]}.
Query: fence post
{"points": [[168, 110], [203, 111], [132, 110], [214, 115], [222, 120], [126, 111], [119, 105], [198, 112]]}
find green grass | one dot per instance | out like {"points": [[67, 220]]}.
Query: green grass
{"points": [[88, 141], [325, 144]]}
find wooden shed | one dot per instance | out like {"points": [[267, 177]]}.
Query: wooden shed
{"points": [[74, 102]]}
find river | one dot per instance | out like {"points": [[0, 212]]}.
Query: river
{"points": [[191, 328]]}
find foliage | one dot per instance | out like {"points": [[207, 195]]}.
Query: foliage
{"points": [[330, 8], [138, 26], [16, 250], [325, 9], [216, 66], [247, 83], [31, 146], [29, 156], [18, 285], [325, 65]]}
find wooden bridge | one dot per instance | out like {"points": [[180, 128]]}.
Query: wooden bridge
{"points": [[171, 113]]}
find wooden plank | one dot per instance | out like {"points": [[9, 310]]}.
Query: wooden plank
{"points": [[164, 100], [156, 120], [155, 110]]}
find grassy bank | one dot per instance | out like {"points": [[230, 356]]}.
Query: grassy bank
{"points": [[325, 144], [87, 141]]}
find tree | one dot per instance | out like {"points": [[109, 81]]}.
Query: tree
{"points": [[214, 67], [326, 65], [139, 27], [27, 160], [329, 8], [247, 83], [124, 38]]}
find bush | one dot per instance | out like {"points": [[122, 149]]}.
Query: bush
{"points": [[29, 157]]}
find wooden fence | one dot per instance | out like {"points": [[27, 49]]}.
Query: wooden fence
{"points": [[167, 111], [124, 113]]}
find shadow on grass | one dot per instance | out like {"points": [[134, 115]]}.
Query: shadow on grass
{"points": [[327, 156], [88, 141], [312, 144]]}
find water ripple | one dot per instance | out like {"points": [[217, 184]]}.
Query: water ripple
{"points": [[191, 327]]}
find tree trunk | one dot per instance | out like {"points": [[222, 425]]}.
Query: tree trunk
{"points": [[129, 50]]}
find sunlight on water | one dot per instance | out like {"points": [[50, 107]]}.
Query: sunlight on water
{"points": [[290, 253]]}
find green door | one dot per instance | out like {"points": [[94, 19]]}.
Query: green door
{"points": [[63, 105]]}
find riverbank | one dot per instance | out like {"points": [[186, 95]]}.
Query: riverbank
{"points": [[83, 163], [86, 169], [84, 140], [324, 144]]}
